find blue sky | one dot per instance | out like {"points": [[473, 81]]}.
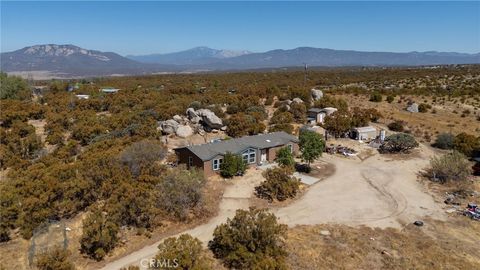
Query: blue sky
{"points": [[159, 27]]}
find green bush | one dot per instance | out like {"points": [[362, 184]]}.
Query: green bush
{"points": [[54, 259], [397, 125], [467, 144], [232, 165], [390, 98], [376, 97], [279, 185], [180, 191], [449, 167], [444, 141], [251, 240], [398, 143], [312, 145], [99, 236], [285, 157], [183, 252]]}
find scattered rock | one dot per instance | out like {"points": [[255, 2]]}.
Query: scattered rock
{"points": [[316, 94], [413, 108], [224, 128], [210, 119], [184, 131], [297, 100], [418, 223], [325, 232]]}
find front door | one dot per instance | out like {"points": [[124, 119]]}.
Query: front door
{"points": [[263, 157]]}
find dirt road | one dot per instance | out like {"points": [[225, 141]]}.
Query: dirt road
{"points": [[377, 192]]}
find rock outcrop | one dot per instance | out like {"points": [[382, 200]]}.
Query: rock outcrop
{"points": [[210, 119], [297, 100]]}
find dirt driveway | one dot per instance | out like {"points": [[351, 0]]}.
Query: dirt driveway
{"points": [[377, 192]]}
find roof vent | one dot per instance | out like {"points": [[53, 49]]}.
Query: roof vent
{"points": [[268, 140]]}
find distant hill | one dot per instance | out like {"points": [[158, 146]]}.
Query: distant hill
{"points": [[195, 56], [73, 61], [70, 60]]}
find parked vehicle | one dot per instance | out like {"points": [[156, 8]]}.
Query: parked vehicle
{"points": [[472, 211]]}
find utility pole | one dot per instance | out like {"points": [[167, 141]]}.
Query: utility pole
{"points": [[305, 77]]}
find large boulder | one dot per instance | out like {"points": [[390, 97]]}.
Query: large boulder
{"points": [[170, 126], [184, 131], [413, 108], [210, 119], [316, 94]]}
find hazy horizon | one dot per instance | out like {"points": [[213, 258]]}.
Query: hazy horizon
{"points": [[141, 28]]}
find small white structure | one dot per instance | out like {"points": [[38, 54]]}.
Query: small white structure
{"points": [[109, 90], [364, 133], [317, 116], [83, 96]]}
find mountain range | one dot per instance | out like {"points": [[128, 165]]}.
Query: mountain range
{"points": [[73, 61]]}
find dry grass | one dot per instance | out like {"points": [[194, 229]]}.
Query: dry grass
{"points": [[437, 245]]}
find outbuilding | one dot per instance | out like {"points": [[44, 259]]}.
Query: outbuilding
{"points": [[364, 133]]}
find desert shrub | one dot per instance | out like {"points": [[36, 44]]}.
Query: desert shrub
{"points": [[299, 112], [279, 185], [444, 141], [99, 235], [183, 252], [284, 157], [449, 167], [467, 144], [423, 107], [329, 101], [13, 87], [390, 98], [398, 143], [141, 155], [56, 258], [251, 240], [376, 97], [288, 128], [242, 124], [180, 191], [232, 165], [338, 123], [311, 145], [397, 125], [268, 101]]}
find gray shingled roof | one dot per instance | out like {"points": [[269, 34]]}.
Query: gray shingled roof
{"points": [[210, 150]]}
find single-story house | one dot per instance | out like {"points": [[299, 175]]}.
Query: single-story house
{"points": [[317, 115], [255, 150], [364, 133]]}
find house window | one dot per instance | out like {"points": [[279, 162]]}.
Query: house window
{"points": [[216, 164], [190, 161], [249, 156]]}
